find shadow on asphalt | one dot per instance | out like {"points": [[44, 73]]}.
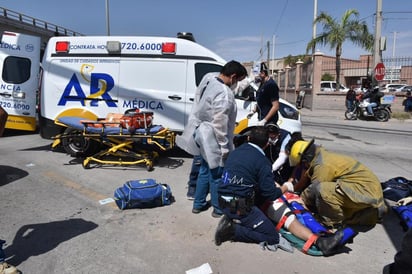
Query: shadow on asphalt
{"points": [[10, 174], [36, 239]]}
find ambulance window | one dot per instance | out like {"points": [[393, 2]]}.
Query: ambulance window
{"points": [[16, 70], [201, 69]]}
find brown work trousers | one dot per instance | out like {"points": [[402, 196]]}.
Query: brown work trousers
{"points": [[333, 208]]}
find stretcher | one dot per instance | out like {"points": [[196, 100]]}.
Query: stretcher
{"points": [[120, 145]]}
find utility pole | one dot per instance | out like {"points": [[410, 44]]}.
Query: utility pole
{"points": [[393, 57], [268, 46], [107, 18], [315, 15], [273, 51], [377, 53]]}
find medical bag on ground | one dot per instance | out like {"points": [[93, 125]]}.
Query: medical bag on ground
{"points": [[146, 193]]}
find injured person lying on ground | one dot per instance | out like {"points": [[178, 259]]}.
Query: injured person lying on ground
{"points": [[250, 201]]}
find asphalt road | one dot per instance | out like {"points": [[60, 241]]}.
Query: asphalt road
{"points": [[53, 223]]}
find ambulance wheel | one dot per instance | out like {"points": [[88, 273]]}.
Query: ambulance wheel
{"points": [[76, 145]]}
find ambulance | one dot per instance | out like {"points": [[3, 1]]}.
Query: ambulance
{"points": [[91, 76], [19, 82]]}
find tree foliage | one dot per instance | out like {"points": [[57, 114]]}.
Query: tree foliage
{"points": [[335, 33]]}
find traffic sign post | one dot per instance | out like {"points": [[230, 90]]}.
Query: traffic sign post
{"points": [[379, 71]]}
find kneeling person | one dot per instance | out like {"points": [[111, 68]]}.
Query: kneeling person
{"points": [[248, 183]]}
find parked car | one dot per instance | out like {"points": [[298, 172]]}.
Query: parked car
{"points": [[391, 87], [405, 89], [330, 86]]}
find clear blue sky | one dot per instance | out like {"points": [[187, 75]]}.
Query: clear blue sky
{"points": [[233, 31]]}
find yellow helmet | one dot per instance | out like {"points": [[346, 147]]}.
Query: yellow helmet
{"points": [[297, 150]]}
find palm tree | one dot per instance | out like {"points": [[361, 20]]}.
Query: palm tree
{"points": [[336, 33]]}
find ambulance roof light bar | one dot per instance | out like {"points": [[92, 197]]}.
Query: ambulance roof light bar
{"points": [[62, 46], [113, 47], [168, 48]]}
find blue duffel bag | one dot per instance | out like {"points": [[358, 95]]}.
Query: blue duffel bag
{"points": [[145, 193]]}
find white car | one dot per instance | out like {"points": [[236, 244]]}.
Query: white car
{"points": [[405, 89], [392, 87], [330, 86]]}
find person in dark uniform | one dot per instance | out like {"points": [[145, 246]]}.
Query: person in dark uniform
{"points": [[275, 151], [245, 187], [267, 98]]}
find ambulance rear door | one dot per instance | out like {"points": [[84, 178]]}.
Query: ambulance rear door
{"points": [[19, 67]]}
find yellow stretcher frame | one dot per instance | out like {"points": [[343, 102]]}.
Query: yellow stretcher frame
{"points": [[119, 147]]}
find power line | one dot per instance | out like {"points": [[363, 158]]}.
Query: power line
{"points": [[281, 15]]}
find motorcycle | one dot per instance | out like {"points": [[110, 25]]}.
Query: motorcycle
{"points": [[381, 113]]}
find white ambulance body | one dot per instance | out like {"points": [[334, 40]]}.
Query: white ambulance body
{"points": [[19, 67], [91, 76]]}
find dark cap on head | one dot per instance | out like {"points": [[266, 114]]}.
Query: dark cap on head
{"points": [[264, 68], [272, 128]]}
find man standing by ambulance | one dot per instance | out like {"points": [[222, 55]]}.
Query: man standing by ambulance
{"points": [[209, 131], [267, 98]]}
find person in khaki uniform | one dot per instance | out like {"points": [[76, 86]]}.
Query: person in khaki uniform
{"points": [[338, 189]]}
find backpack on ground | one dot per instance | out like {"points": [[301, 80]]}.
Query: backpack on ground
{"points": [[396, 188], [145, 193]]}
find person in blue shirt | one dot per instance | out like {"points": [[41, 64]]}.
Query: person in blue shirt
{"points": [[247, 184]]}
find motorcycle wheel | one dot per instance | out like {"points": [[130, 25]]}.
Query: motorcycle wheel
{"points": [[382, 115], [350, 115]]}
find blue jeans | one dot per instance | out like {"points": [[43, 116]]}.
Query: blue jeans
{"points": [[194, 172], [255, 227], [207, 181], [370, 106], [349, 104]]}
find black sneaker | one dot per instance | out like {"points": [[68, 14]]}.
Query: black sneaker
{"points": [[329, 243], [225, 230], [216, 214], [203, 208]]}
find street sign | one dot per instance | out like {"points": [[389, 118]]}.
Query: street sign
{"points": [[379, 71]]}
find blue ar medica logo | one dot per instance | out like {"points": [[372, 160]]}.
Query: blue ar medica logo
{"points": [[100, 85]]}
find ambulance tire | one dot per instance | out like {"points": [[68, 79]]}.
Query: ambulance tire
{"points": [[76, 145]]}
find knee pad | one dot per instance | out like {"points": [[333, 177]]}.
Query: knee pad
{"points": [[282, 215]]}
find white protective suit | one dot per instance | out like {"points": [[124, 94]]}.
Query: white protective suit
{"points": [[209, 131]]}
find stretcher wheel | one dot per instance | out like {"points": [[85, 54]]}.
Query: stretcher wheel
{"points": [[149, 166], [86, 164]]}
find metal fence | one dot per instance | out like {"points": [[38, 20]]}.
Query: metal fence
{"points": [[34, 22]]}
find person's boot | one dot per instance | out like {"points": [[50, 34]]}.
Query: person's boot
{"points": [[225, 230], [6, 268], [330, 243]]}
